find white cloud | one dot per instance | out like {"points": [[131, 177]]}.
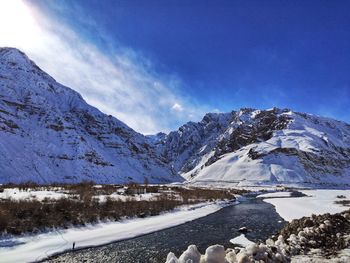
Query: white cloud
{"points": [[177, 107], [123, 85]]}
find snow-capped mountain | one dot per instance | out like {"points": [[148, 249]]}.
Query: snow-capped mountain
{"points": [[249, 147], [48, 133]]}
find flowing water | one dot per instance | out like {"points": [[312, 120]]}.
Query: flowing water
{"points": [[217, 228]]}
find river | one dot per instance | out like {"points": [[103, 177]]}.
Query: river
{"points": [[217, 228]]}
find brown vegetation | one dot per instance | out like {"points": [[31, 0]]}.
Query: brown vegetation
{"points": [[21, 216], [343, 202], [83, 206]]}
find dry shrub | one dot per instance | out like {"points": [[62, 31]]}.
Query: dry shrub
{"points": [[20, 216]]}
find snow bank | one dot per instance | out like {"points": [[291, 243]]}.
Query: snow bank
{"points": [[40, 195], [275, 194], [34, 248], [317, 202], [17, 194], [121, 197]]}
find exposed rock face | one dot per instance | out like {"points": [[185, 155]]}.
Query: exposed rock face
{"points": [[261, 146], [48, 133]]}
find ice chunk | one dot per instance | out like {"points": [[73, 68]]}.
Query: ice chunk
{"points": [[241, 240]]}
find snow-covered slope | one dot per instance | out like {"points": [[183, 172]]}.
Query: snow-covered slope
{"points": [[249, 147], [48, 133]]}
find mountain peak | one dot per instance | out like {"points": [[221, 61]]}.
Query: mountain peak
{"points": [[57, 136], [14, 56]]}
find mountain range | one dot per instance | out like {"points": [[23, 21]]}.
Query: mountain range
{"points": [[48, 133]]}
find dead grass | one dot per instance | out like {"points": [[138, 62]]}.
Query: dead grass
{"points": [[343, 202], [22, 216]]}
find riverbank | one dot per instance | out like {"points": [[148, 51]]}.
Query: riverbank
{"points": [[31, 208], [36, 247], [317, 201], [216, 228], [318, 231], [320, 238]]}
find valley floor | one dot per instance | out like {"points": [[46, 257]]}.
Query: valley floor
{"points": [[28, 248], [34, 209], [35, 247]]}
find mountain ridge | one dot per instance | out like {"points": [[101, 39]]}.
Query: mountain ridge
{"points": [[275, 145], [49, 133]]}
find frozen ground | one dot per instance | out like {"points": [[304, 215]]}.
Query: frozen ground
{"points": [[137, 197], [58, 193], [33, 248], [316, 202]]}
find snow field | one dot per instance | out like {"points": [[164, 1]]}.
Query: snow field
{"points": [[316, 202]]}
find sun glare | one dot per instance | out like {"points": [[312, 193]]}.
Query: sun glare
{"points": [[18, 27]]}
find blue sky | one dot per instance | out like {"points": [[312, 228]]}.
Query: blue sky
{"points": [[210, 55]]}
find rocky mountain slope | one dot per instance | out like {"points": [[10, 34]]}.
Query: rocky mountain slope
{"points": [[48, 133], [250, 147]]}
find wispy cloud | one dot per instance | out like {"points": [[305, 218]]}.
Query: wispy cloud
{"points": [[123, 84]]}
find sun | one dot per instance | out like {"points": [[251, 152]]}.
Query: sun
{"points": [[18, 27]]}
